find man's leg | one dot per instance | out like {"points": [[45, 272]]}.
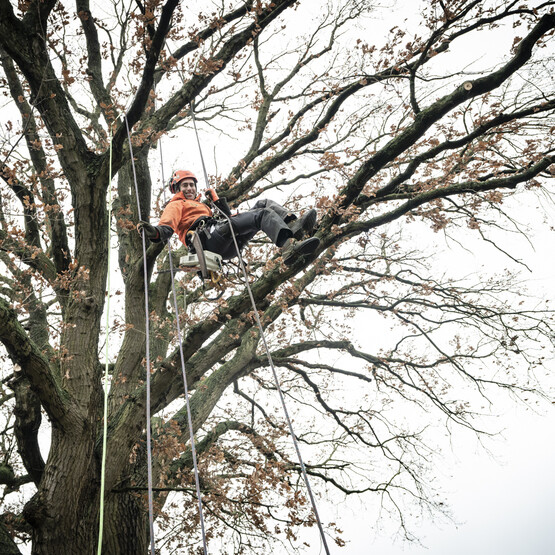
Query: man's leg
{"points": [[272, 224], [302, 226], [245, 227], [282, 212], [247, 224]]}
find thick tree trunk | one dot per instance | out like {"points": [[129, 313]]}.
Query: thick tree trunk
{"points": [[65, 512], [126, 528], [61, 512], [126, 524]]}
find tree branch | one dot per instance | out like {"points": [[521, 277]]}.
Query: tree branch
{"points": [[33, 364], [433, 113]]}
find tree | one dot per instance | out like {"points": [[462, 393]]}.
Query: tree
{"points": [[380, 138]]}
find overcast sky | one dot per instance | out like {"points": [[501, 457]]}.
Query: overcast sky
{"points": [[503, 507]]}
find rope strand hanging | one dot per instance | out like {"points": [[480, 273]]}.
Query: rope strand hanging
{"points": [[270, 360], [147, 355], [105, 411], [184, 375]]}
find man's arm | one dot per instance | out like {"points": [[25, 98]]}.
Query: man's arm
{"points": [[220, 203], [155, 233]]}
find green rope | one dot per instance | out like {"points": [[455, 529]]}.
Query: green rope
{"points": [[105, 430]]}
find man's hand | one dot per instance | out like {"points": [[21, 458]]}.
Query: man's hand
{"points": [[149, 230], [212, 195]]}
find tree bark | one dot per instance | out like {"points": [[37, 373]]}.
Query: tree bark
{"points": [[7, 545]]}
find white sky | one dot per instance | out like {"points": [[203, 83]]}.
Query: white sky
{"points": [[503, 501], [502, 506]]}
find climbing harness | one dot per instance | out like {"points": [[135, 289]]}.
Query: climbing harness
{"points": [[263, 337], [208, 262]]}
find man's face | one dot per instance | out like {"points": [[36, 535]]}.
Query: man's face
{"points": [[188, 187]]}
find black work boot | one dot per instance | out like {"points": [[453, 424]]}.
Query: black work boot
{"points": [[303, 225], [293, 249]]}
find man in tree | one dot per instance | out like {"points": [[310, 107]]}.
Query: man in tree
{"points": [[185, 213]]}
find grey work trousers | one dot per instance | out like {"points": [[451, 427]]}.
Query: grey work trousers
{"points": [[266, 215]]}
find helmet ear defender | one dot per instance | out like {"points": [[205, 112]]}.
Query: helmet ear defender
{"points": [[180, 175]]}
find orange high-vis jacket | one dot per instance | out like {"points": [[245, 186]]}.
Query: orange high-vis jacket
{"points": [[180, 214]]}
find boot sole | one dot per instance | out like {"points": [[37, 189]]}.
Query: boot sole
{"points": [[301, 249], [308, 223]]}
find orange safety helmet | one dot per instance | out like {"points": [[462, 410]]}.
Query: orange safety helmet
{"points": [[178, 176]]}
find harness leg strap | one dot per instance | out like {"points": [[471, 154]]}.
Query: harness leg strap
{"points": [[199, 251]]}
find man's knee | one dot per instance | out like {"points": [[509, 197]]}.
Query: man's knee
{"points": [[262, 203], [264, 216]]}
